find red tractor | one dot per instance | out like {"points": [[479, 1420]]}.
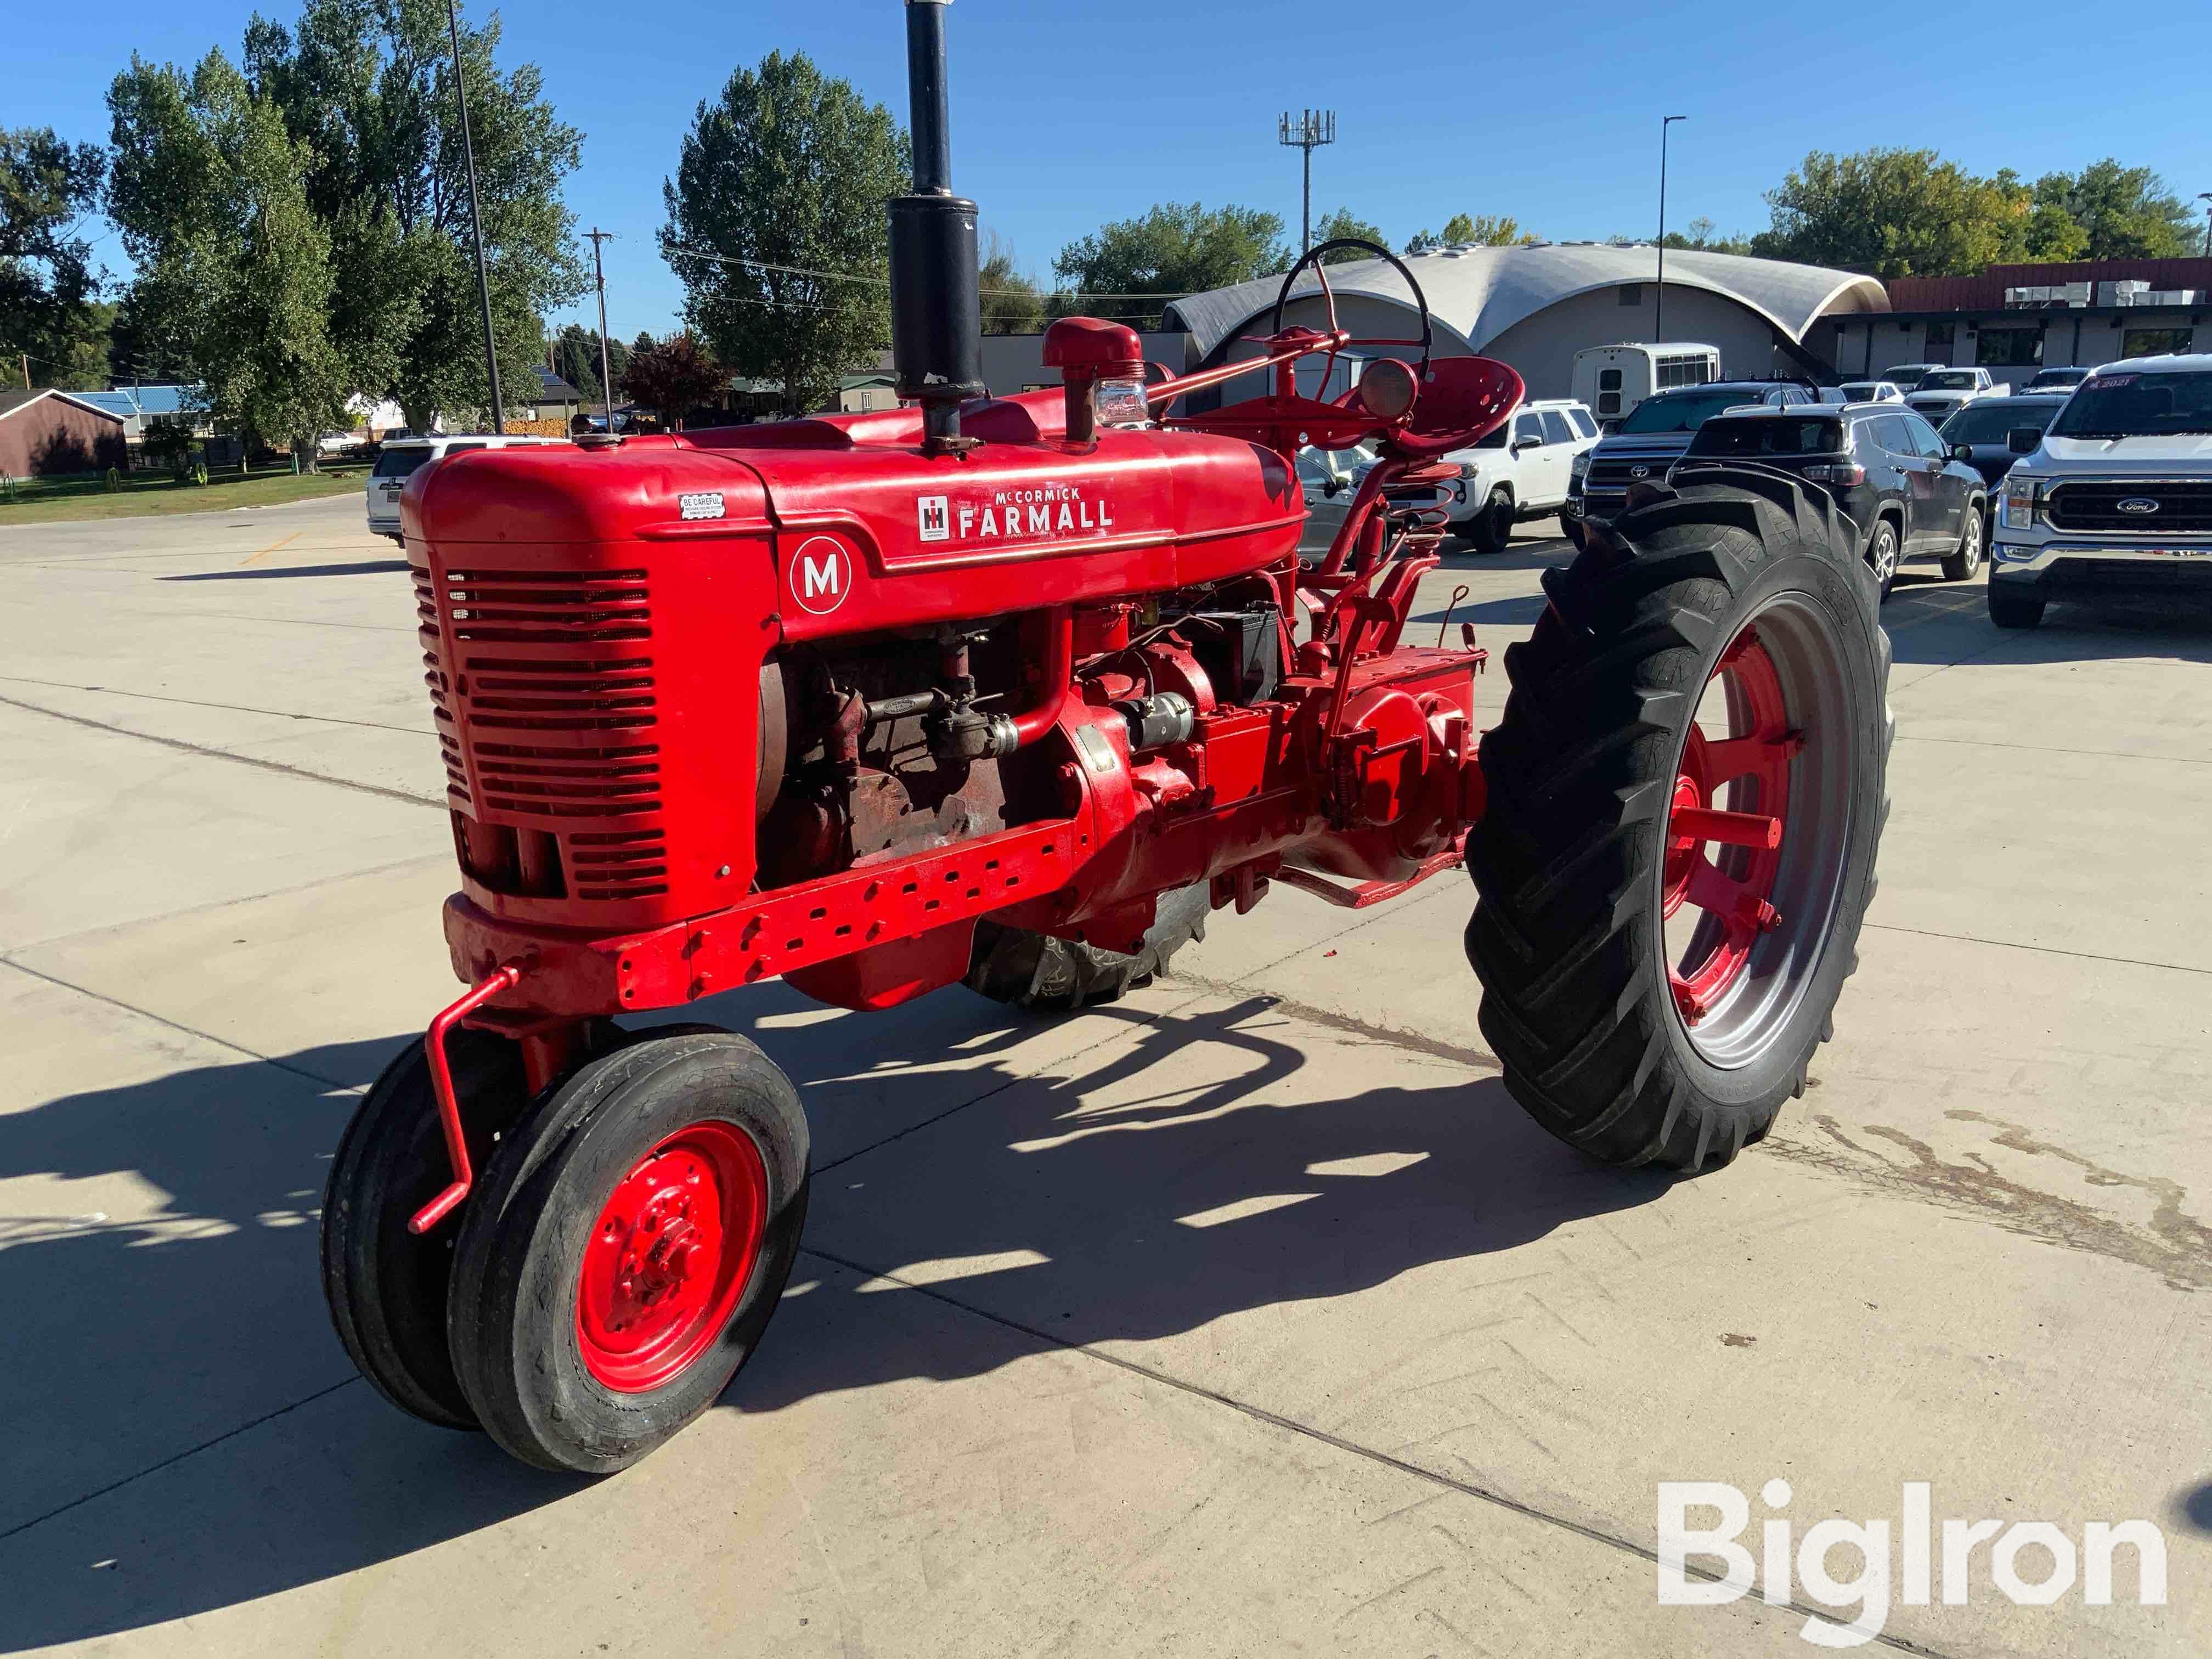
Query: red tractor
{"points": [[1017, 692]]}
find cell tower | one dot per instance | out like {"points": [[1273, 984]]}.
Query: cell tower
{"points": [[1308, 132]]}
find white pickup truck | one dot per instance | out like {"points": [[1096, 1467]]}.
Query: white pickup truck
{"points": [[1942, 392], [2115, 499]]}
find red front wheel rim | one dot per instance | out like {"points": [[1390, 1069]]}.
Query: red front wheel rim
{"points": [[670, 1254]]}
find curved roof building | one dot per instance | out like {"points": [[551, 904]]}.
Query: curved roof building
{"points": [[1535, 307]]}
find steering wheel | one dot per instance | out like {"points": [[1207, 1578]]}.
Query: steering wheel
{"points": [[1312, 257]]}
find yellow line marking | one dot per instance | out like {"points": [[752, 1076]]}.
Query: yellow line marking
{"points": [[271, 547]]}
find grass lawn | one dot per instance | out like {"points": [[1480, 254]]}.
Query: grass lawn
{"points": [[39, 500]]}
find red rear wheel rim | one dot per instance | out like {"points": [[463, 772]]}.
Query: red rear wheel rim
{"points": [[1737, 787], [670, 1254]]}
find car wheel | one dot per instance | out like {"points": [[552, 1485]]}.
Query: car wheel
{"points": [[1488, 531], [1961, 565], [1882, 555], [2009, 610]]}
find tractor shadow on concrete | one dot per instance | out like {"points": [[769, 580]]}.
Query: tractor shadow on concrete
{"points": [[205, 1444]]}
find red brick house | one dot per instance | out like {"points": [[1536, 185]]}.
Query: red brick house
{"points": [[45, 432]]}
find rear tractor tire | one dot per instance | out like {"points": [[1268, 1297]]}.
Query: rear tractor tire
{"points": [[627, 1243], [1024, 969], [1685, 798]]}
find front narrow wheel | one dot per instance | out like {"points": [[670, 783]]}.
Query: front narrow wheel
{"points": [[1685, 796], [628, 1247]]}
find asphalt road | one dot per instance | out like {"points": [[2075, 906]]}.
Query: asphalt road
{"points": [[1249, 1316]]}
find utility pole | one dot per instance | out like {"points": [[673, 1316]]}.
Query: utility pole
{"points": [[475, 221], [600, 274], [2205, 196], [1659, 302], [1313, 128]]}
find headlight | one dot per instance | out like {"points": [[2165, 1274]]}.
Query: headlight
{"points": [[2022, 500], [1579, 467]]}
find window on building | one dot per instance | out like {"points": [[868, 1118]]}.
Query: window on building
{"points": [[2153, 341], [1631, 293], [1942, 337], [2008, 347]]}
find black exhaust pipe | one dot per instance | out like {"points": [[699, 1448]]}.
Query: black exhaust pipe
{"points": [[937, 327]]}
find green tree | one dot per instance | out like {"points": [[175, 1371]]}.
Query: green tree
{"points": [[366, 87], [1894, 213], [207, 189], [1173, 250], [672, 377], [47, 280], [1479, 229], [1012, 303], [2116, 212], [576, 359], [1343, 222], [776, 226]]}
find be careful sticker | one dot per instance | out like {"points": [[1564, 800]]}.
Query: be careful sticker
{"points": [[707, 504]]}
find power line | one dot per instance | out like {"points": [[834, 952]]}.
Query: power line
{"points": [[884, 282]]}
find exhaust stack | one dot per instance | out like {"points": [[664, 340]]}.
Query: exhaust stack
{"points": [[937, 330]]}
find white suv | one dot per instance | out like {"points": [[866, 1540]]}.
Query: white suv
{"points": [[1521, 470], [2115, 499], [399, 458]]}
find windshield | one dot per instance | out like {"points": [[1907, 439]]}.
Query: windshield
{"points": [[1949, 379], [1988, 424], [2137, 406], [1768, 434], [1681, 411], [399, 462], [1905, 376], [2061, 377], [1860, 391]]}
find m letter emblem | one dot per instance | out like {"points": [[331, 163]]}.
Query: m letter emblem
{"points": [[821, 574]]}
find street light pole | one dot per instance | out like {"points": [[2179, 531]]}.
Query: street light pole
{"points": [[1659, 303], [476, 224], [606, 380]]}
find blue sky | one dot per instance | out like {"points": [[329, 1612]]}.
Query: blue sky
{"points": [[1066, 113]]}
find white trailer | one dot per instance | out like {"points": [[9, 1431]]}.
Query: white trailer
{"points": [[1612, 380]]}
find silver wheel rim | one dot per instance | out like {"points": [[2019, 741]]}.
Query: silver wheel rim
{"points": [[1973, 540], [1884, 554], [1808, 885]]}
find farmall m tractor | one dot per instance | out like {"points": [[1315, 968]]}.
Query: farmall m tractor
{"points": [[1017, 692]]}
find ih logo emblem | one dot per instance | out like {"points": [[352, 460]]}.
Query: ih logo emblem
{"points": [[935, 518], [821, 574]]}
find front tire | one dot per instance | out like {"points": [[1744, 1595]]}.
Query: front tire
{"points": [[627, 1247], [1632, 1041], [2010, 609], [1489, 529], [385, 1286], [1881, 556]]}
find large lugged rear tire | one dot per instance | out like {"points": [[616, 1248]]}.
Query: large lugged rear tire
{"points": [[1035, 970], [1615, 811]]}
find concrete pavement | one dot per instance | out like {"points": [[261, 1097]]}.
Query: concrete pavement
{"points": [[1246, 1316]]}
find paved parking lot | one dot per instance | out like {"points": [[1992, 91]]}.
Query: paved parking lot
{"points": [[1248, 1317]]}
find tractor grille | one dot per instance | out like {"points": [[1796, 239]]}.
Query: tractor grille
{"points": [[542, 684], [2184, 506]]}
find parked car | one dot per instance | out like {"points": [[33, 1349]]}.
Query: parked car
{"points": [[1906, 376], [2115, 497], [398, 458], [1328, 478], [1910, 497], [1871, 391], [1942, 392], [2057, 380], [1652, 438], [1521, 470], [1986, 425]]}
